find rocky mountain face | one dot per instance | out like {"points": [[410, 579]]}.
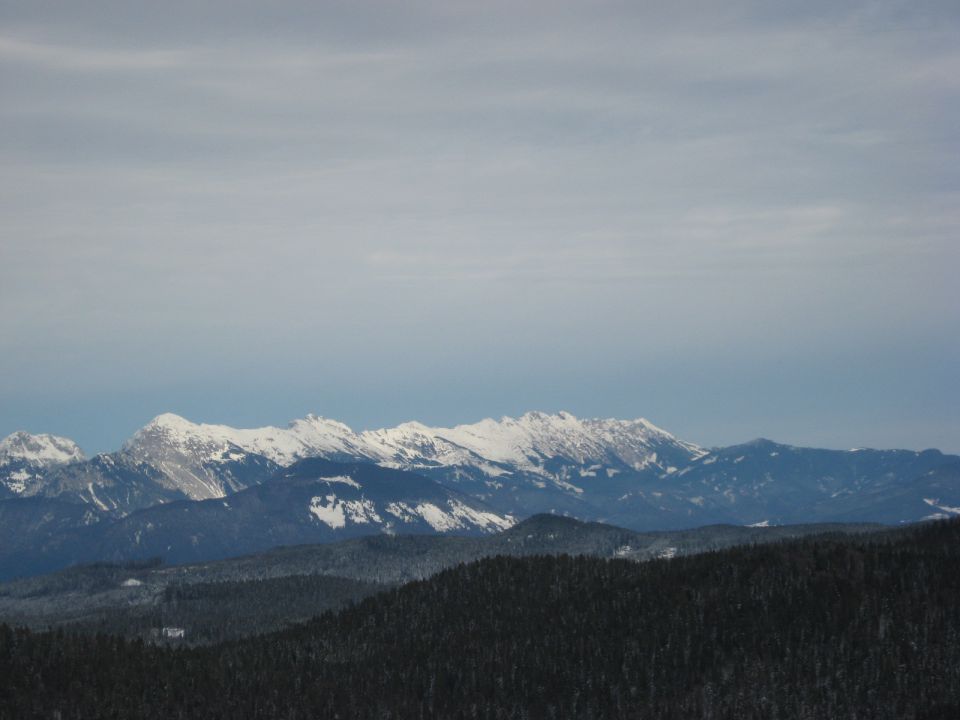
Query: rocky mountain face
{"points": [[167, 460], [113, 483], [196, 461]]}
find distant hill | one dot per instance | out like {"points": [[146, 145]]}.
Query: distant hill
{"points": [[267, 590]]}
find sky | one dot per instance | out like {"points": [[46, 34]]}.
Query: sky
{"points": [[734, 219]]}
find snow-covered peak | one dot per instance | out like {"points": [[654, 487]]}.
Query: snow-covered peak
{"points": [[318, 423], [171, 421], [307, 437], [412, 426], [167, 430], [38, 450]]}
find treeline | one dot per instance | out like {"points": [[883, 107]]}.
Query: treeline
{"points": [[815, 628]]}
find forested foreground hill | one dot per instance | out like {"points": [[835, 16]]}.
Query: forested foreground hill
{"points": [[852, 627]]}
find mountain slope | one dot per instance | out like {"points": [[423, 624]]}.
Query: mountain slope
{"points": [[114, 484], [763, 481], [312, 501], [37, 533]]}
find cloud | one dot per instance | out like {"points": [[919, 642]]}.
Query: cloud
{"points": [[62, 58], [193, 190]]}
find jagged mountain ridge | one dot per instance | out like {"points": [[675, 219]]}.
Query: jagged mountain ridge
{"points": [[535, 463], [526, 444], [543, 456]]}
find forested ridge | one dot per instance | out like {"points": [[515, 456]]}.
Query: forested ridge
{"points": [[827, 627]]}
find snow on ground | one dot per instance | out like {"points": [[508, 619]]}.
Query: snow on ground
{"points": [[328, 510]]}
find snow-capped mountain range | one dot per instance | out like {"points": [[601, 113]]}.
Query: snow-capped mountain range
{"points": [[553, 448], [629, 472]]}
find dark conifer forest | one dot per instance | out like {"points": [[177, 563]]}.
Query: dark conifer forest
{"points": [[826, 627]]}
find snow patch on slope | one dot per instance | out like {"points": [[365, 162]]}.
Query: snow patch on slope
{"points": [[328, 510], [336, 512], [456, 516], [342, 479]]}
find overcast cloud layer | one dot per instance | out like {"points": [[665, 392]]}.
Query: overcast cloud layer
{"points": [[734, 222]]}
